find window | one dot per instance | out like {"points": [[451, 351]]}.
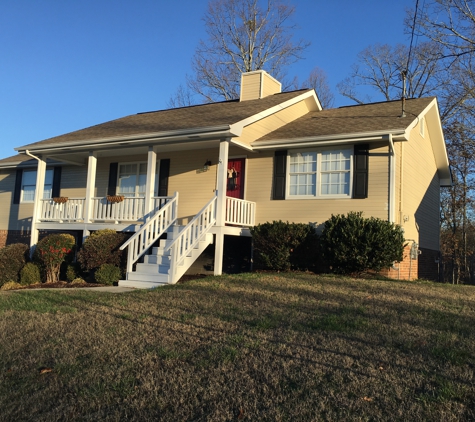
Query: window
{"points": [[132, 179], [28, 185], [322, 173]]}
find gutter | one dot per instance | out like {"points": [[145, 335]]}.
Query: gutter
{"points": [[180, 136], [399, 136]]}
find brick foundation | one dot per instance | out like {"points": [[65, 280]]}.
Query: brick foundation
{"points": [[407, 269], [425, 266]]}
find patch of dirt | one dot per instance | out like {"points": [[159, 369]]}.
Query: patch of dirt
{"points": [[61, 285]]}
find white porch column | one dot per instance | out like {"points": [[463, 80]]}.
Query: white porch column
{"points": [[39, 192], [150, 186], [221, 205], [90, 186]]}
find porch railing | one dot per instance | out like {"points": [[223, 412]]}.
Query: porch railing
{"points": [[151, 231], [190, 235], [240, 212], [130, 209], [72, 210]]}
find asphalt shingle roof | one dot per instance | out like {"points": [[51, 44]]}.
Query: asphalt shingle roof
{"points": [[352, 119], [195, 117]]}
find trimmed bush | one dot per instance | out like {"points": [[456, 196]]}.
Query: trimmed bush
{"points": [[11, 285], [78, 280], [353, 244], [107, 274], [101, 247], [12, 260], [30, 274], [71, 271], [52, 251], [283, 246]]}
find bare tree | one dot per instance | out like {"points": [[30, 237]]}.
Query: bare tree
{"points": [[243, 36], [449, 23], [319, 82]]}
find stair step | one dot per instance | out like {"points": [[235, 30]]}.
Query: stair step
{"points": [[137, 284]]}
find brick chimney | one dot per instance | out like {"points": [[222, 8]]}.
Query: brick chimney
{"points": [[258, 84]]}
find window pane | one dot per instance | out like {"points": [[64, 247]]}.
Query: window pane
{"points": [[302, 173]]}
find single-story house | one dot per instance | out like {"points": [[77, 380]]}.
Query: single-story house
{"points": [[206, 172]]}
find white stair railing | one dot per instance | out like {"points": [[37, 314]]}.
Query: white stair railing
{"points": [[189, 237], [240, 212], [158, 224]]}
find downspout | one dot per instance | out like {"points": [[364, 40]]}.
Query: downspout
{"points": [[392, 180]]}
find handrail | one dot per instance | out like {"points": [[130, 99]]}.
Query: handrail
{"points": [[240, 212], [146, 236], [189, 237]]}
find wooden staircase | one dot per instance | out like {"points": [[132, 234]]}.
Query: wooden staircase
{"points": [[175, 254], [156, 269]]}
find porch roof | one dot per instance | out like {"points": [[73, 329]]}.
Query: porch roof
{"points": [[194, 118]]}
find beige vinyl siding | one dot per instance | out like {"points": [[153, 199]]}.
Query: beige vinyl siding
{"points": [[7, 185], [251, 86], [268, 124], [420, 191], [270, 86], [73, 181], [316, 211]]}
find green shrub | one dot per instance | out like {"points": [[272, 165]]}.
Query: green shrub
{"points": [[11, 285], [283, 246], [30, 274], [71, 271], [353, 244], [52, 251], [107, 274], [78, 280], [101, 247], [12, 260]]}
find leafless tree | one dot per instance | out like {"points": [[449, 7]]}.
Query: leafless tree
{"points": [[243, 36], [449, 23], [319, 82]]}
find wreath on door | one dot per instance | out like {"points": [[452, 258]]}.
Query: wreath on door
{"points": [[232, 179]]}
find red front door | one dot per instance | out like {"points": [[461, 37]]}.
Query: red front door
{"points": [[235, 184]]}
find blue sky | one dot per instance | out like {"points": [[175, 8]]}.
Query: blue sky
{"points": [[70, 64]]}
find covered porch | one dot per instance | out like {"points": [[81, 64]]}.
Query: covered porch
{"points": [[149, 215]]}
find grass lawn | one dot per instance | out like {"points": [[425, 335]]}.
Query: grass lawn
{"points": [[276, 347]]}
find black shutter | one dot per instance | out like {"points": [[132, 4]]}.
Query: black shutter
{"points": [[360, 171], [163, 175], [113, 169], [56, 189], [280, 170], [17, 192]]}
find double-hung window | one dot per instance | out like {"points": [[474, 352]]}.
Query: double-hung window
{"points": [[132, 179], [320, 173], [28, 185]]}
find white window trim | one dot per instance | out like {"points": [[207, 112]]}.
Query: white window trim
{"points": [[318, 195], [157, 173], [24, 201]]}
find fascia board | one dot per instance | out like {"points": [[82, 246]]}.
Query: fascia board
{"points": [[239, 126], [398, 136], [201, 134], [436, 134]]}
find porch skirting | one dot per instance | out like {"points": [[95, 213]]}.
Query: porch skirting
{"points": [[7, 237]]}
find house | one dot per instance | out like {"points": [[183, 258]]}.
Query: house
{"points": [[203, 173]]}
